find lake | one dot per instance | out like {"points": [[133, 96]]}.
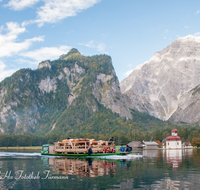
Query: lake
{"points": [[150, 169]]}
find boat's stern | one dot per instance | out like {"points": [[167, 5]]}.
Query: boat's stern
{"points": [[48, 149], [45, 149]]}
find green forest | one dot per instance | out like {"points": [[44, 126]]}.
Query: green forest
{"points": [[119, 137]]}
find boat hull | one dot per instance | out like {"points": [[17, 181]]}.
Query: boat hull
{"points": [[86, 155]]}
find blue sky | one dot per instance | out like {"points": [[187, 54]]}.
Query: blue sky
{"points": [[130, 31]]}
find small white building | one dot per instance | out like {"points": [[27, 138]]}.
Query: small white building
{"points": [[173, 141]]}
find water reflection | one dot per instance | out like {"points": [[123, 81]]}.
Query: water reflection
{"points": [[166, 184], [151, 153], [187, 152], [125, 184], [174, 157], [83, 167], [157, 169]]}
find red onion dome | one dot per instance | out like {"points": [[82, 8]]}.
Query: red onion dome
{"points": [[173, 138], [174, 130]]}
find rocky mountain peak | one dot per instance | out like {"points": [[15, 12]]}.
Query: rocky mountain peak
{"points": [[189, 38], [156, 87], [71, 51]]}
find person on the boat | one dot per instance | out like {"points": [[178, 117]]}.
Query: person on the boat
{"points": [[106, 149], [90, 151], [69, 137], [128, 149], [113, 150], [122, 148], [110, 141]]}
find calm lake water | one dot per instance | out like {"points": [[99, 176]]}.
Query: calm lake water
{"points": [[153, 169]]}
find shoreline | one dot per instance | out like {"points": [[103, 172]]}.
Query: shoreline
{"points": [[23, 147]]}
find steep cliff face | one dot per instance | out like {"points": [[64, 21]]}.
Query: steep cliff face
{"points": [[158, 86], [59, 94], [107, 92], [188, 110]]}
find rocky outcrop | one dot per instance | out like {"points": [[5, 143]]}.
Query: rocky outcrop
{"points": [[188, 110], [45, 64], [73, 75], [48, 85], [158, 86], [107, 92]]}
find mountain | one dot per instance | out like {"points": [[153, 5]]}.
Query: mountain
{"points": [[166, 86], [188, 110], [74, 94], [61, 95]]}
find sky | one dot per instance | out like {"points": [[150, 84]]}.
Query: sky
{"points": [[130, 31]]}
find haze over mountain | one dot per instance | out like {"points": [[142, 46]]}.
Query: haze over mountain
{"points": [[166, 85]]}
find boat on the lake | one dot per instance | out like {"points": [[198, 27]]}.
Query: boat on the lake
{"points": [[79, 148]]}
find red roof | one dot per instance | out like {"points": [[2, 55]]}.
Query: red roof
{"points": [[173, 138], [174, 130]]}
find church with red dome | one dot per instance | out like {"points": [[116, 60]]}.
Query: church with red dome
{"points": [[173, 141]]}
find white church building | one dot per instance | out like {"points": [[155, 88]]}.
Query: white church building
{"points": [[173, 141]]}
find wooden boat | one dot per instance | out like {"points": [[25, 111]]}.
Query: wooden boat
{"points": [[79, 148]]}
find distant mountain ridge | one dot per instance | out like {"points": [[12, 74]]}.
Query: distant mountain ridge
{"points": [[161, 86]]}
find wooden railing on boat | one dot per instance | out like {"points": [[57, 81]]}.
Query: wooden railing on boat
{"points": [[81, 146]]}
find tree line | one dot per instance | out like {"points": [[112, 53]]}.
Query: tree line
{"points": [[120, 137]]}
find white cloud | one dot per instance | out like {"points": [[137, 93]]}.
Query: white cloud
{"points": [[101, 47], [165, 38], [26, 61], [8, 42], [128, 72], [186, 27], [25, 23], [18, 5], [166, 31], [89, 44], [129, 65], [55, 10], [1, 28], [45, 53], [5, 73], [197, 12], [52, 10], [197, 34]]}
